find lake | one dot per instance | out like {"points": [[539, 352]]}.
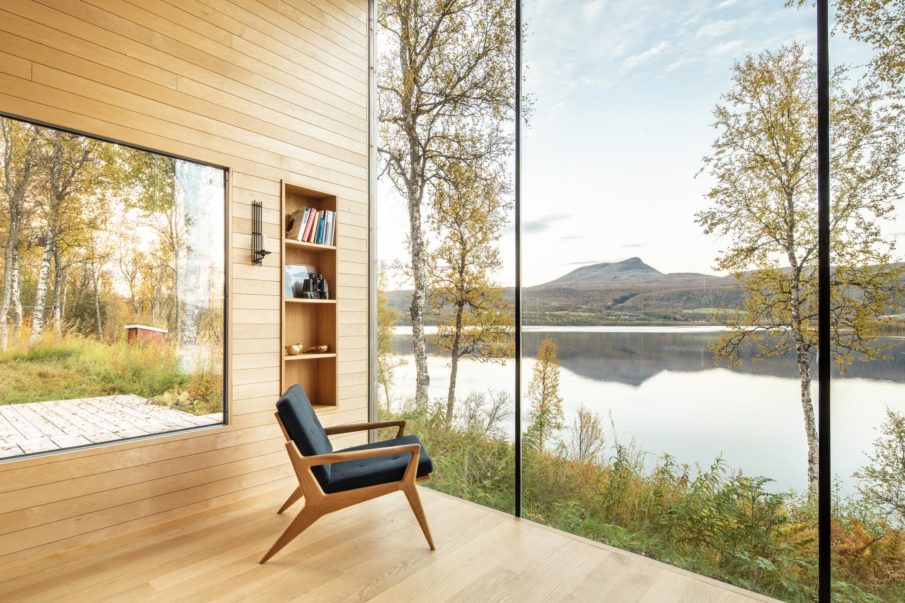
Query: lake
{"points": [[660, 387]]}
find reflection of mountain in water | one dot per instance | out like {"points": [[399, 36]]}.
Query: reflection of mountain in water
{"points": [[634, 357]]}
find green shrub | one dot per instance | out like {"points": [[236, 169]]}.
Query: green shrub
{"points": [[709, 520]]}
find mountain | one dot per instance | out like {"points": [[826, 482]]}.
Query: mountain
{"points": [[628, 291], [596, 275], [617, 292]]}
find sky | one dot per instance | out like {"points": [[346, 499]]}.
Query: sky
{"points": [[623, 93]]}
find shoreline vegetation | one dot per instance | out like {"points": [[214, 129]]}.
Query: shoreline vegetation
{"points": [[712, 520]]}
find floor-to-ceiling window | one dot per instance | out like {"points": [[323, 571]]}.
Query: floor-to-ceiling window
{"points": [[668, 194], [867, 250], [669, 269], [445, 237]]}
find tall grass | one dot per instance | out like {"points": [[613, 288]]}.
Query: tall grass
{"points": [[709, 520], [78, 367]]}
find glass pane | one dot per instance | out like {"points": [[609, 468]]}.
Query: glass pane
{"points": [[669, 159], [445, 239], [112, 307], [868, 387]]}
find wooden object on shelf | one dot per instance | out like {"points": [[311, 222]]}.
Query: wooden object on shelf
{"points": [[309, 322]]}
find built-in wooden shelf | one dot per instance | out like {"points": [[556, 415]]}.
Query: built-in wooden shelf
{"points": [[309, 322], [309, 246], [296, 300], [309, 356]]}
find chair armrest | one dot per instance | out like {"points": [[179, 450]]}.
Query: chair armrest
{"points": [[400, 423], [357, 455]]}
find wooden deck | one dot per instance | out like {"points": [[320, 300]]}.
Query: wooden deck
{"points": [[48, 426], [372, 552]]}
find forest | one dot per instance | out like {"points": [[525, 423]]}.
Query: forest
{"points": [[97, 236]]}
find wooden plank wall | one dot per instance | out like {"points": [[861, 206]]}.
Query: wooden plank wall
{"points": [[273, 89]]}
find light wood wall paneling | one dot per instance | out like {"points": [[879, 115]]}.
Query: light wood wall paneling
{"points": [[273, 89]]}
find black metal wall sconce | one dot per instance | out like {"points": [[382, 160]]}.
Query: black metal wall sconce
{"points": [[258, 253]]}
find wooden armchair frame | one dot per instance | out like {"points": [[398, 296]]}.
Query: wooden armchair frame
{"points": [[318, 503]]}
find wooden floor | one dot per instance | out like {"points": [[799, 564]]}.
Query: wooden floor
{"points": [[371, 552], [56, 424]]}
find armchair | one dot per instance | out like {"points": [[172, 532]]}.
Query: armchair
{"points": [[332, 480]]}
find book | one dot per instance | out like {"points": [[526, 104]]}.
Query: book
{"points": [[318, 235], [309, 226], [331, 222], [307, 213]]}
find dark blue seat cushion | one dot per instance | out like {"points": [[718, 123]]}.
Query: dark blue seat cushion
{"points": [[304, 428], [351, 475]]}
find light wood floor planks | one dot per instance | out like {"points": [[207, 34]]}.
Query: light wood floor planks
{"points": [[374, 551]]}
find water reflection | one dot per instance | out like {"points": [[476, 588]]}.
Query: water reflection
{"points": [[635, 355], [659, 387]]}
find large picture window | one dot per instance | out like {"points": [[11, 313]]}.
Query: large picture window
{"points": [[112, 299], [695, 268]]}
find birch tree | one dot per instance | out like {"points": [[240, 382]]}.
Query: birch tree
{"points": [[475, 317], [879, 23], [77, 180], [446, 90], [764, 202], [21, 161]]}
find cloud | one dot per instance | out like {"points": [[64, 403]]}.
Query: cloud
{"points": [[646, 55], [542, 224], [591, 10], [725, 48], [715, 29]]}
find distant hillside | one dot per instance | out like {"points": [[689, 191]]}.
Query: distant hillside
{"points": [[626, 292], [617, 292]]}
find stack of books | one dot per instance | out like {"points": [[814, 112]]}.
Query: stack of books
{"points": [[311, 225]]}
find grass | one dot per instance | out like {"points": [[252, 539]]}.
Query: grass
{"points": [[77, 367], [712, 520]]}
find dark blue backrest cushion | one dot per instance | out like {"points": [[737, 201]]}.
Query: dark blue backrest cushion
{"points": [[304, 428]]}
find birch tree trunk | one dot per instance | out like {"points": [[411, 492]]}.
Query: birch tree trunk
{"points": [[454, 365], [18, 315], [9, 258], [37, 317], [810, 423], [98, 319], [418, 252], [57, 292]]}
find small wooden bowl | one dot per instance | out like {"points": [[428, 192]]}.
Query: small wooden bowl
{"points": [[294, 350], [316, 349]]}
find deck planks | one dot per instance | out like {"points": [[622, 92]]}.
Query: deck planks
{"points": [[57, 424]]}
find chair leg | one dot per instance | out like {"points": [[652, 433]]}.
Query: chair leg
{"points": [[411, 493], [296, 494], [303, 520]]}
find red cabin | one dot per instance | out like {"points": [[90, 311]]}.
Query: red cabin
{"points": [[139, 333]]}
